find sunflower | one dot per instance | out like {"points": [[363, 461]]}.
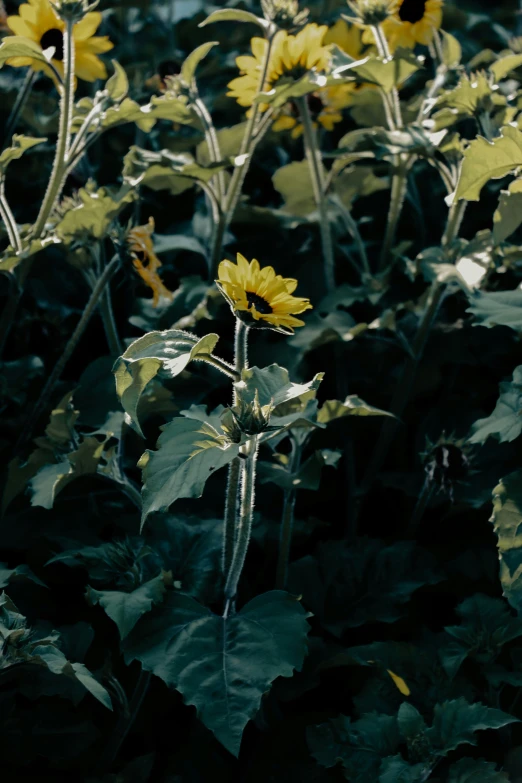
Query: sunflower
{"points": [[259, 296], [413, 22], [38, 22], [291, 57]]}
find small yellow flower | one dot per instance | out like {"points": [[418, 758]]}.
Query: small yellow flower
{"points": [[38, 22], [291, 56], [146, 262], [259, 296], [414, 22]]}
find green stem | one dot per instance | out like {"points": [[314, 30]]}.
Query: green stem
{"points": [[384, 52], [18, 106], [315, 162], [9, 221], [219, 364], [287, 524], [244, 528], [232, 493], [212, 141], [399, 187], [132, 493], [109, 324], [56, 373], [403, 390], [124, 722], [59, 170], [353, 230]]}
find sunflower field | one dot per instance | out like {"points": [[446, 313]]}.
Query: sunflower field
{"points": [[261, 391]]}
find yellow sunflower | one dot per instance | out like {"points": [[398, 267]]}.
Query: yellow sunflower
{"points": [[326, 105], [413, 22], [291, 56], [38, 22], [259, 296]]}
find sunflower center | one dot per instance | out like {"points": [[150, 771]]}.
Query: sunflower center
{"points": [[53, 37], [412, 10], [259, 303]]}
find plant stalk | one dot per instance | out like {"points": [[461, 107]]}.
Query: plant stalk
{"points": [[9, 221], [399, 187], [125, 722], [109, 324], [315, 162], [18, 106], [59, 170], [234, 470], [56, 373], [244, 528]]}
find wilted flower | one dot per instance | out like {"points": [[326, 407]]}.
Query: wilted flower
{"points": [[284, 13], [146, 261]]}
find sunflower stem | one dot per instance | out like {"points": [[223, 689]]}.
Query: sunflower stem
{"points": [[8, 220], [317, 174], [234, 471], [211, 140], [59, 170], [18, 106], [244, 527], [399, 188], [287, 523], [92, 303]]}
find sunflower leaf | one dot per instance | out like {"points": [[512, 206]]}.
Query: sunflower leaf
{"points": [[508, 216], [117, 85], [188, 452], [234, 15], [222, 665], [19, 46], [485, 160], [168, 351], [498, 308], [272, 385], [507, 524], [505, 423], [188, 69]]}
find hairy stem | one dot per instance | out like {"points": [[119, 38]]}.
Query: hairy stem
{"points": [[212, 142], [55, 375], [59, 170], [244, 528], [18, 106], [109, 324], [9, 221], [234, 470], [315, 162]]}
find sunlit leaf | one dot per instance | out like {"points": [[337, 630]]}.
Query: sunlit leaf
{"points": [[485, 160], [505, 423]]}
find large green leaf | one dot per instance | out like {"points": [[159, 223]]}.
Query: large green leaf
{"points": [[188, 69], [504, 65], [52, 479], [507, 523], [456, 722], [500, 308], [485, 160], [189, 451], [387, 74], [92, 214], [476, 771], [358, 747], [272, 385], [486, 625], [126, 608], [222, 666], [346, 586], [505, 423], [168, 351]]}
